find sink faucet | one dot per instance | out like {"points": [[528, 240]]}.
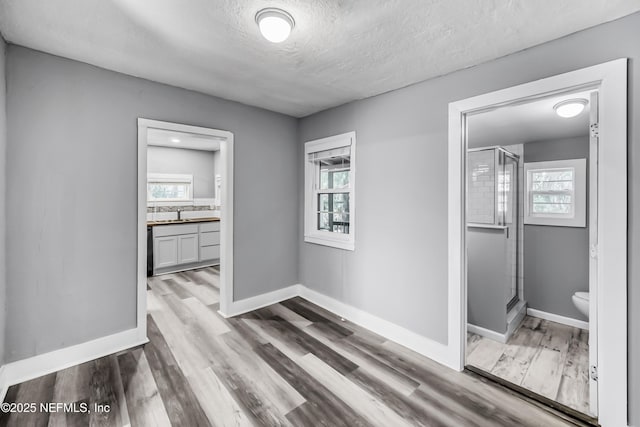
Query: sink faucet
{"points": [[179, 211]]}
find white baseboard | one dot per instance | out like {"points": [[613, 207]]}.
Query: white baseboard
{"points": [[43, 364], [487, 333], [425, 346], [418, 343], [558, 319], [34, 367], [263, 300], [4, 385]]}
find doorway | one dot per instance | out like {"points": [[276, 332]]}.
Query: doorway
{"points": [[531, 171], [608, 250], [199, 138]]}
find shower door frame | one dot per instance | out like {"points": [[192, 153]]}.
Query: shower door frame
{"points": [[516, 298], [610, 80]]}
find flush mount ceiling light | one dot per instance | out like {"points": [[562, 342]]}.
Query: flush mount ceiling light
{"points": [[275, 24], [570, 107], [175, 140]]}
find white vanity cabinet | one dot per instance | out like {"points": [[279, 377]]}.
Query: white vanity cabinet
{"points": [[175, 245], [178, 247]]}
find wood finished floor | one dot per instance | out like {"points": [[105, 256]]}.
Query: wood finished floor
{"points": [[290, 364], [545, 357]]}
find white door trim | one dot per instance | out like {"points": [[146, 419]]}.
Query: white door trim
{"points": [[610, 79], [226, 213], [594, 154]]}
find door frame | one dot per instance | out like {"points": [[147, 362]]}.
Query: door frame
{"points": [[226, 214], [610, 79]]}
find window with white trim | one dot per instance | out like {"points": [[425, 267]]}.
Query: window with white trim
{"points": [[556, 193], [330, 191], [169, 187]]}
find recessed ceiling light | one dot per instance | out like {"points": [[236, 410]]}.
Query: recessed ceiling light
{"points": [[570, 107], [275, 24], [175, 140]]}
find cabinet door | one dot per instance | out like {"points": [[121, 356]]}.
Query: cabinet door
{"points": [[188, 248], [165, 251]]}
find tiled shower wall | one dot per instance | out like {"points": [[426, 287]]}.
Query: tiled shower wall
{"points": [[481, 190], [482, 203]]}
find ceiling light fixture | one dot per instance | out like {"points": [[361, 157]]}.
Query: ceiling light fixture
{"points": [[175, 140], [570, 107], [275, 24]]}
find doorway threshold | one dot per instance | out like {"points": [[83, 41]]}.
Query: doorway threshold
{"points": [[565, 412]]}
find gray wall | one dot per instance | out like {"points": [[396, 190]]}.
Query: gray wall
{"points": [[487, 278], [3, 150], [178, 160], [399, 268], [71, 199], [556, 259]]}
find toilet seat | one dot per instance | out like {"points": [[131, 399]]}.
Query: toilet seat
{"points": [[582, 295]]}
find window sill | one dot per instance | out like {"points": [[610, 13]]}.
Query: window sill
{"points": [[334, 243]]}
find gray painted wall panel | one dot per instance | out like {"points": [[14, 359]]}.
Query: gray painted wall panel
{"points": [[3, 176], [556, 259], [487, 277], [399, 268], [199, 163], [71, 217]]}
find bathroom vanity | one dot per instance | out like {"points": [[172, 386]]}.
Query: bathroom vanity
{"points": [[178, 245]]}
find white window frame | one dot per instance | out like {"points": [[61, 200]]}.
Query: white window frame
{"points": [[170, 178], [578, 215], [311, 232]]}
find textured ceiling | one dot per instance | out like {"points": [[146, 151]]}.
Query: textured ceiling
{"points": [[338, 52], [532, 121]]}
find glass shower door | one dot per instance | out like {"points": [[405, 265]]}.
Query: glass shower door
{"points": [[507, 208]]}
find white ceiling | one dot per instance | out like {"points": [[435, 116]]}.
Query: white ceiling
{"points": [[532, 121], [338, 52], [165, 138]]}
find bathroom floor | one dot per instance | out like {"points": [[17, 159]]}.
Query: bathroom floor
{"points": [[548, 358]]}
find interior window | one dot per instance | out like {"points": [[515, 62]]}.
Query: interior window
{"points": [[556, 193], [169, 187]]}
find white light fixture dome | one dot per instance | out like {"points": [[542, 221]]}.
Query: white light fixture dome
{"points": [[275, 24], [570, 107]]}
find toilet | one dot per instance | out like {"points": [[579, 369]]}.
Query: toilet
{"points": [[581, 301]]}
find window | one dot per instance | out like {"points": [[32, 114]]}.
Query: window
{"points": [[556, 193], [169, 187], [330, 190]]}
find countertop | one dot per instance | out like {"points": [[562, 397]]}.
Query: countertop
{"points": [[181, 221]]}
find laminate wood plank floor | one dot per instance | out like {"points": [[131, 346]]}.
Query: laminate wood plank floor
{"points": [[545, 357], [289, 364]]}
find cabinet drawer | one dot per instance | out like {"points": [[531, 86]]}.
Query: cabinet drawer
{"points": [[211, 238], [209, 226], [174, 230], [209, 252]]}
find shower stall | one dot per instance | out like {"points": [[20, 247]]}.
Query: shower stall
{"points": [[493, 235]]}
